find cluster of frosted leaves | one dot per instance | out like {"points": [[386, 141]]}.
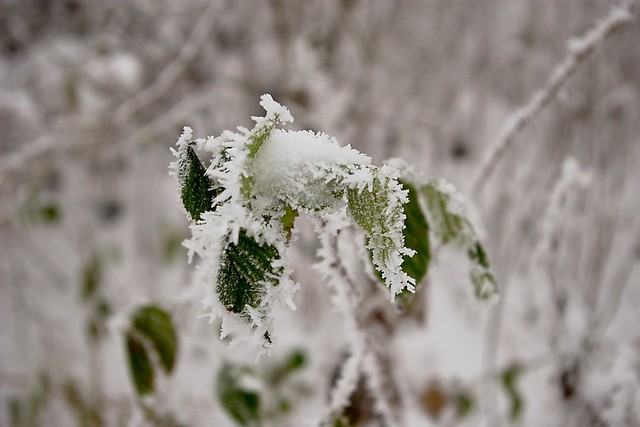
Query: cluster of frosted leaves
{"points": [[243, 207], [436, 212]]}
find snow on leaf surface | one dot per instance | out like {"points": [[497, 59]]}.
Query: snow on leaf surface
{"points": [[246, 201]]}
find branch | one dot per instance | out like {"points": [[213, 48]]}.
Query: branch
{"points": [[171, 73], [579, 51]]}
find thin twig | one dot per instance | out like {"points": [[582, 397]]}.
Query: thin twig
{"points": [[579, 51], [173, 71]]}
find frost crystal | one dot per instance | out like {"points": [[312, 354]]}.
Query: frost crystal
{"points": [[244, 203]]}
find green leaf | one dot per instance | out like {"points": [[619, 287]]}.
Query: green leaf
{"points": [[483, 280], [450, 227], [288, 220], [281, 372], [244, 268], [241, 404], [50, 213], [416, 237], [370, 210], [155, 325], [261, 134], [197, 188], [464, 404], [509, 381], [447, 224], [139, 365]]}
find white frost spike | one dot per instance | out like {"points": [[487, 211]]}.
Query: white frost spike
{"points": [[258, 176], [273, 109]]}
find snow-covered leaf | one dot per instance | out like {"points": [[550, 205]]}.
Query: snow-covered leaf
{"points": [[450, 225], [197, 187]]}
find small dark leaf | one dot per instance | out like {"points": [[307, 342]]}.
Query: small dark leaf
{"points": [[197, 187], [140, 366], [154, 324], [281, 372], [50, 213], [244, 267], [241, 404], [509, 381], [464, 404]]}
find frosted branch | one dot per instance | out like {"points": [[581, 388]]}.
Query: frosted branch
{"points": [[173, 71], [579, 50]]}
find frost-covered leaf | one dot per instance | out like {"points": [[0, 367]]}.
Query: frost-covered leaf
{"points": [[378, 210], [154, 324], [450, 225], [245, 267], [416, 238], [139, 365], [482, 278], [197, 188], [446, 220], [242, 404]]}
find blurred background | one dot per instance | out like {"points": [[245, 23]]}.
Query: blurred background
{"points": [[93, 94]]}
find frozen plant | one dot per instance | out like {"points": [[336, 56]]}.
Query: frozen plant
{"points": [[244, 203]]}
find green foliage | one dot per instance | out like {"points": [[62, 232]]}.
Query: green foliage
{"points": [[451, 227], [483, 280], [448, 225], [273, 396], [197, 188], [416, 236], [241, 404], [155, 325], [244, 269], [373, 211], [140, 365], [510, 379], [50, 213], [465, 403], [151, 328]]}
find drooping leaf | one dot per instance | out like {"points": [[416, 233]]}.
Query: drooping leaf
{"points": [[241, 404], [244, 268], [154, 324], [377, 211], [139, 365], [197, 188], [450, 226]]}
